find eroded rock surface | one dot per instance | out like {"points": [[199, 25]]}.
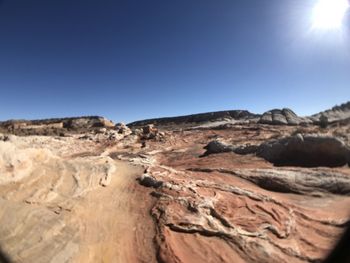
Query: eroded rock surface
{"points": [[65, 200], [227, 207], [282, 117], [219, 146], [336, 114], [150, 194], [306, 150]]}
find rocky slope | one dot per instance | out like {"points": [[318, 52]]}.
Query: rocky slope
{"points": [[243, 192], [336, 114]]}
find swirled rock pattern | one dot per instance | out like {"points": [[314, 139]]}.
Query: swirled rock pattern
{"points": [[154, 194]]}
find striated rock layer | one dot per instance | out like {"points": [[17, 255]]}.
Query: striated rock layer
{"points": [[228, 207], [65, 200], [111, 194], [282, 117]]}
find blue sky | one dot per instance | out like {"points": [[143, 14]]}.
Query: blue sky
{"points": [[135, 59]]}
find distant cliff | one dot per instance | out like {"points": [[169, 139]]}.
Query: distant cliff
{"points": [[197, 118], [54, 126]]}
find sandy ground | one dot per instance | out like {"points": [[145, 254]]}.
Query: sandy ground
{"points": [[116, 226]]}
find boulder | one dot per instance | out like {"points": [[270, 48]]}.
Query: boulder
{"points": [[306, 151], [282, 117], [219, 146], [149, 129], [149, 181], [123, 129], [151, 132]]}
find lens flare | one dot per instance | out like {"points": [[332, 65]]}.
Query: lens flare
{"points": [[329, 14]]}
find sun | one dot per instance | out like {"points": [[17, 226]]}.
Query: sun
{"points": [[329, 14]]}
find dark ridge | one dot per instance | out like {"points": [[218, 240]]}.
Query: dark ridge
{"points": [[54, 126], [196, 118], [47, 121], [342, 106]]}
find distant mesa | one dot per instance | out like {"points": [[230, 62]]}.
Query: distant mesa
{"points": [[55, 126]]}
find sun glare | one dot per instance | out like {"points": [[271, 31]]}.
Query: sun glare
{"points": [[329, 14]]}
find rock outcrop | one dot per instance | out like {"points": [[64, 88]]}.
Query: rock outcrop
{"points": [[282, 117], [219, 146], [121, 128], [337, 113], [306, 151], [107, 193], [298, 150]]}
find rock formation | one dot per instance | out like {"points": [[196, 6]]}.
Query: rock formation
{"points": [[298, 150], [336, 114], [101, 192], [219, 146], [282, 117], [307, 150]]}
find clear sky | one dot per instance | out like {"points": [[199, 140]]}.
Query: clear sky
{"points": [[136, 59]]}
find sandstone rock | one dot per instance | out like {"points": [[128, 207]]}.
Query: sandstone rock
{"points": [[219, 146], [282, 117], [102, 130], [88, 122], [149, 129], [220, 208], [123, 129], [308, 182], [17, 163], [149, 181], [306, 150], [5, 138], [334, 114], [151, 132]]}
